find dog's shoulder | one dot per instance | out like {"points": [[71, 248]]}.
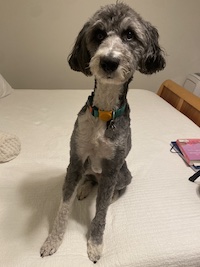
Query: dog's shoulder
{"points": [[83, 110]]}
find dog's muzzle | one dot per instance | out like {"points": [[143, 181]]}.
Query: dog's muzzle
{"points": [[109, 64]]}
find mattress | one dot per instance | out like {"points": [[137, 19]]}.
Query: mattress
{"points": [[156, 223]]}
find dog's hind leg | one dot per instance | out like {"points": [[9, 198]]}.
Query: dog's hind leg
{"points": [[86, 187], [116, 195], [55, 238], [124, 179]]}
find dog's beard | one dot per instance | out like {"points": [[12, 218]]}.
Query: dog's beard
{"points": [[119, 76]]}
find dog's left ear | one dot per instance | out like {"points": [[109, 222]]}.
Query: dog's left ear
{"points": [[80, 57], [153, 58]]}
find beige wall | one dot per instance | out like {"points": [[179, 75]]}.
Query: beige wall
{"points": [[37, 35]]}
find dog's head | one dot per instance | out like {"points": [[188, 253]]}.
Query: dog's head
{"points": [[114, 43]]}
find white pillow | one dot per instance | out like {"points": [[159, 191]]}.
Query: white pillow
{"points": [[5, 88]]}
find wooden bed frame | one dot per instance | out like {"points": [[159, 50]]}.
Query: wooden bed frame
{"points": [[183, 100]]}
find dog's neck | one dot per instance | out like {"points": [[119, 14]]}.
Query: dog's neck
{"points": [[109, 96]]}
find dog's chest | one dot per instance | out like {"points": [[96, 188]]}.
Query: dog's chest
{"points": [[92, 142]]}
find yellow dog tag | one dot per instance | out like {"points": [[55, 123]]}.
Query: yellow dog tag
{"points": [[105, 115]]}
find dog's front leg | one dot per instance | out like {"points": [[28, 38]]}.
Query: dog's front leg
{"points": [[55, 238], [105, 193]]}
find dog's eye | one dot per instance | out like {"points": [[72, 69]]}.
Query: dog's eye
{"points": [[100, 35], [128, 35]]}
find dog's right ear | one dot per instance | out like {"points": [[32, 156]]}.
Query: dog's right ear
{"points": [[80, 57]]}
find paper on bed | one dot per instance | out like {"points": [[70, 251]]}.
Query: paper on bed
{"points": [[5, 88]]}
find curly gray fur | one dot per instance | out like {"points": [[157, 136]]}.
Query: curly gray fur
{"points": [[112, 45]]}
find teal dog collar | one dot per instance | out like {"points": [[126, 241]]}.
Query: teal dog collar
{"points": [[104, 115]]}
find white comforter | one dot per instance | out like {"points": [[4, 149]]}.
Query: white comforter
{"points": [[156, 223]]}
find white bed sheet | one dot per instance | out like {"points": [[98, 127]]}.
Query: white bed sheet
{"points": [[156, 223]]}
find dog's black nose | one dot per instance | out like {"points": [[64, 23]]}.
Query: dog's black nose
{"points": [[109, 64]]}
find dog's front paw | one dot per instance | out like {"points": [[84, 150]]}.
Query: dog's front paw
{"points": [[49, 247], [94, 250]]}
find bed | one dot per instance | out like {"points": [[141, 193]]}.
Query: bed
{"points": [[156, 223]]}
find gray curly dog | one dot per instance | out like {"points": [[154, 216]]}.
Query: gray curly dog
{"points": [[114, 43]]}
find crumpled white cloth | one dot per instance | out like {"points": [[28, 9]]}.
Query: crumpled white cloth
{"points": [[10, 146]]}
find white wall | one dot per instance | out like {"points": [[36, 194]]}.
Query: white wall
{"points": [[36, 37]]}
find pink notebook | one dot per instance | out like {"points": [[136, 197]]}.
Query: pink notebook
{"points": [[190, 149]]}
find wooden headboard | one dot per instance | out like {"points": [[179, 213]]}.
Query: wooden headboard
{"points": [[183, 100]]}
